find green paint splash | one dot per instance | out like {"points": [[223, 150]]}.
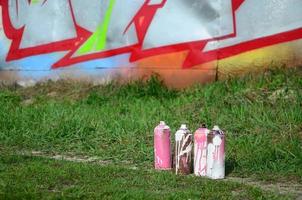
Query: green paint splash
{"points": [[35, 1], [98, 39]]}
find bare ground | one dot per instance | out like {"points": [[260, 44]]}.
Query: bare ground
{"points": [[293, 188]]}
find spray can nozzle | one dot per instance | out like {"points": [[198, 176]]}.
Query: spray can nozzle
{"points": [[203, 125], [162, 123], [183, 126], [216, 128]]}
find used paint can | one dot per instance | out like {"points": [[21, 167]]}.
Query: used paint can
{"points": [[200, 150], [162, 148], [183, 150], [216, 154]]}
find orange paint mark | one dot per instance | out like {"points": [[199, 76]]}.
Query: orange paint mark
{"points": [[141, 20], [172, 61], [170, 68]]}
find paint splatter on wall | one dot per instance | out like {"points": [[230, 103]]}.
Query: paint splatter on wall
{"points": [[185, 41]]}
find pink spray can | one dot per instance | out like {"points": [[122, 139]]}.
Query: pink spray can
{"points": [[200, 151], [216, 154], [162, 149]]}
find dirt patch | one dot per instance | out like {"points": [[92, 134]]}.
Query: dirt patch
{"points": [[282, 94], [279, 188], [73, 158], [283, 188]]}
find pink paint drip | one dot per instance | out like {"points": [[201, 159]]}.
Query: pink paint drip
{"points": [[221, 151], [200, 151], [162, 149]]}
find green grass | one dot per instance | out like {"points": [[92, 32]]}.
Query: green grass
{"points": [[261, 115], [36, 178]]}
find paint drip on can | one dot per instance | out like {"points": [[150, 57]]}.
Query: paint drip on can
{"points": [[200, 150], [162, 148], [183, 150], [216, 154]]}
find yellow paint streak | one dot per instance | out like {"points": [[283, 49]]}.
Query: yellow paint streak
{"points": [[169, 66], [289, 54]]}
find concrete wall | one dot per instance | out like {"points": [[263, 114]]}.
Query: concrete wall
{"points": [[185, 41]]}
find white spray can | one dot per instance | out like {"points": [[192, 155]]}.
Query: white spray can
{"points": [[183, 150], [216, 154]]}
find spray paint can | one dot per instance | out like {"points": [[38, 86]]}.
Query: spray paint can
{"points": [[200, 151], [216, 154], [183, 150], [162, 149]]}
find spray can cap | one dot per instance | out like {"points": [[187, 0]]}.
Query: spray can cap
{"points": [[216, 128], [183, 126], [203, 125], [162, 123]]}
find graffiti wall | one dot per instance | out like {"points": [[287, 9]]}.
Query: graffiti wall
{"points": [[185, 41]]}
